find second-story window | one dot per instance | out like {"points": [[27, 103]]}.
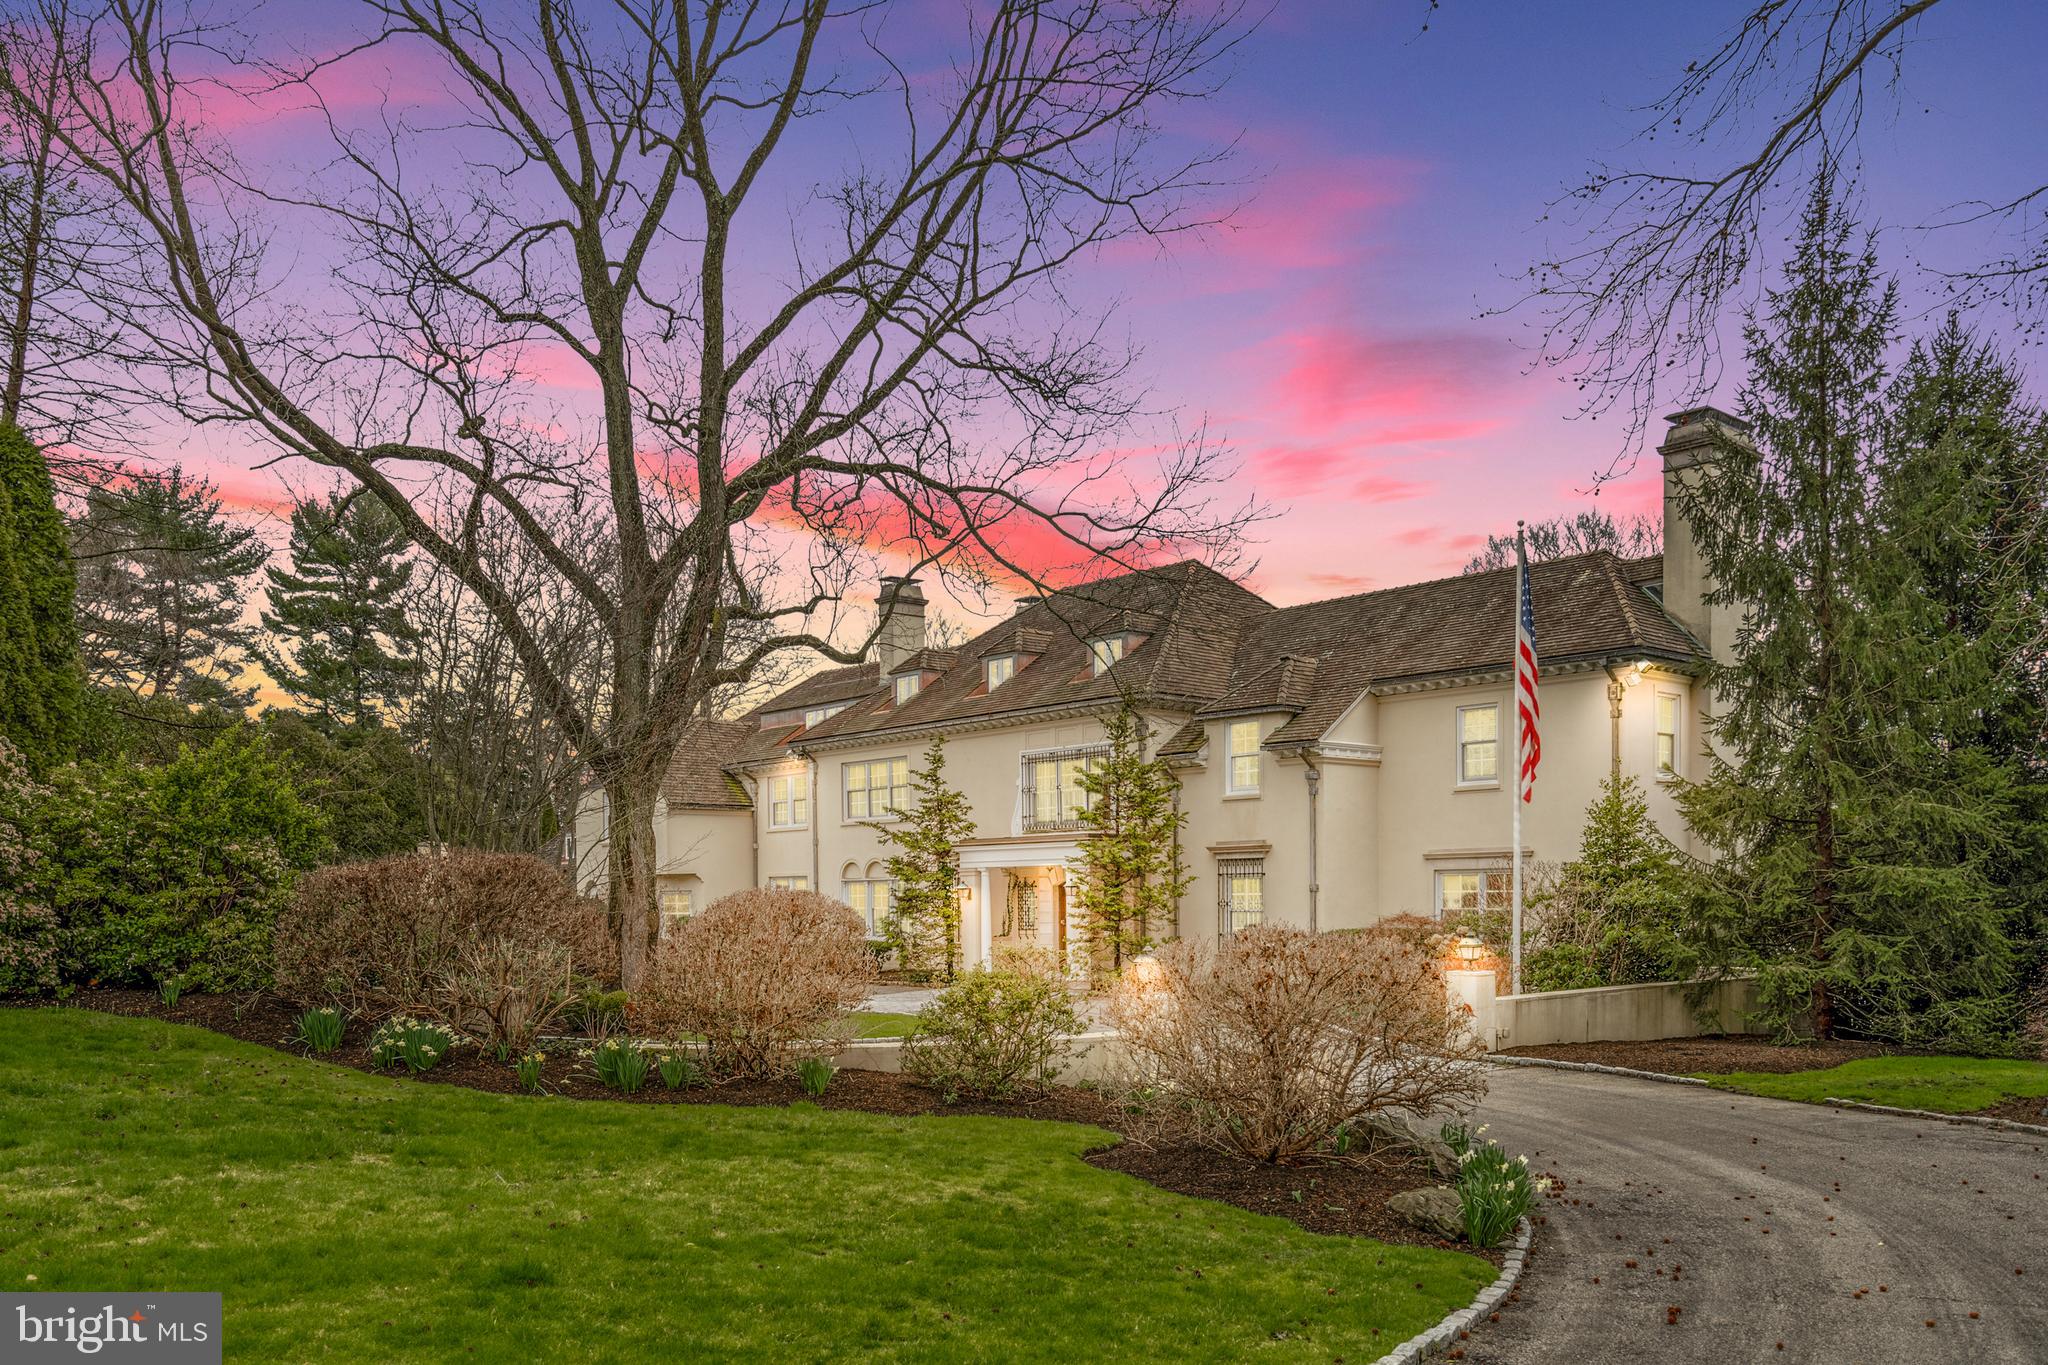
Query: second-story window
{"points": [[821, 713], [1105, 652], [999, 670], [906, 687], [1053, 795], [1479, 743], [1241, 778], [1667, 734], [789, 801], [878, 790]]}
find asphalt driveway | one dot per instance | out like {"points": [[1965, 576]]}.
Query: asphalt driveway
{"points": [[1839, 1234]]}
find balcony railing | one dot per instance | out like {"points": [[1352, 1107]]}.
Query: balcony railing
{"points": [[1053, 798]]}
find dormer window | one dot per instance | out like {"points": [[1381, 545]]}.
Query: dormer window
{"points": [[907, 685], [819, 714], [1106, 651], [999, 670]]}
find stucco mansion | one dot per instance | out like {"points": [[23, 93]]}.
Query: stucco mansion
{"points": [[1339, 761]]}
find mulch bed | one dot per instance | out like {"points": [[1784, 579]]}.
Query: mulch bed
{"points": [[1341, 1200], [1730, 1052]]}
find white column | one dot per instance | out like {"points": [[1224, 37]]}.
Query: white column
{"points": [[983, 929]]}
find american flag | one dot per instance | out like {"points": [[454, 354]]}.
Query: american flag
{"points": [[1528, 737]]}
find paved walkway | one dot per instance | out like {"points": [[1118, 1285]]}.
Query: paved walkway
{"points": [[1766, 1219], [899, 1000]]}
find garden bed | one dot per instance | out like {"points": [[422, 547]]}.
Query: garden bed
{"points": [[1717, 1053], [1343, 1200]]}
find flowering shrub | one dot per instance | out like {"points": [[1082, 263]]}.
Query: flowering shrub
{"points": [[1273, 1041], [320, 1030], [528, 1068], [419, 1043], [993, 1031], [1494, 1192], [620, 1063], [764, 977]]}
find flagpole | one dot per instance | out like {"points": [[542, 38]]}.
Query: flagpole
{"points": [[1515, 762]]}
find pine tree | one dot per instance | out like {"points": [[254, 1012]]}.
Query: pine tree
{"points": [[161, 588], [924, 919], [41, 685], [340, 606], [1850, 875], [1612, 913], [1129, 868]]}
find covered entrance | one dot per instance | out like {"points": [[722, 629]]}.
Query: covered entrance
{"points": [[1016, 893]]}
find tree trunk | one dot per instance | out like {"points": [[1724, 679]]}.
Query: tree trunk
{"points": [[630, 860]]}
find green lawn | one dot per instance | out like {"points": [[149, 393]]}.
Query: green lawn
{"points": [[354, 1217], [1951, 1085], [869, 1024]]}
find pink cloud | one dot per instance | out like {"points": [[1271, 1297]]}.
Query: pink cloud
{"points": [[1402, 389]]}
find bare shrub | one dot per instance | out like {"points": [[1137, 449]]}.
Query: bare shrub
{"points": [[504, 991], [1274, 1043], [994, 1031], [381, 936], [766, 978]]}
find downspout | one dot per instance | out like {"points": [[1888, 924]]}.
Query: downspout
{"points": [[1315, 788], [817, 820]]}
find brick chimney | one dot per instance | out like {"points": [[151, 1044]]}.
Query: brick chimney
{"points": [[1690, 443], [901, 604]]}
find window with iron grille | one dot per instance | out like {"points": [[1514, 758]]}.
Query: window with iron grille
{"points": [[1053, 795], [1240, 893]]}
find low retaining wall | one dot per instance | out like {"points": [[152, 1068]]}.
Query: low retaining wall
{"points": [[1092, 1060], [1603, 1014]]}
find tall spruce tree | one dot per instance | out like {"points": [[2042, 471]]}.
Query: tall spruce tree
{"points": [[163, 579], [1851, 874], [340, 609], [41, 685], [924, 914], [1131, 876]]}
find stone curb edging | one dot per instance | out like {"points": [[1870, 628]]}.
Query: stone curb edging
{"points": [[1974, 1120], [1416, 1347], [1597, 1067]]}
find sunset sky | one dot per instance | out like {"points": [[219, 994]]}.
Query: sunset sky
{"points": [[1336, 332]]}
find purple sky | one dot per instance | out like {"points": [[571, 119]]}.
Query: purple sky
{"points": [[1335, 334]]}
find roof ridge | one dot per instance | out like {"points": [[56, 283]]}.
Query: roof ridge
{"points": [[1447, 578]]}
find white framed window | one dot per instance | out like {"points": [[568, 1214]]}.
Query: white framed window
{"points": [[789, 801], [907, 686], [677, 904], [999, 670], [1479, 744], [1241, 772], [1240, 893], [1475, 889], [1667, 733], [818, 714], [1105, 652], [789, 883], [878, 790], [869, 897], [1053, 795]]}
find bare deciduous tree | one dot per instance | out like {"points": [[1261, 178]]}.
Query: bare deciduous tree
{"points": [[773, 378]]}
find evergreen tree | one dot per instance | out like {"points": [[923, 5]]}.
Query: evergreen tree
{"points": [[1852, 845], [41, 686], [161, 588], [1611, 915], [1129, 868], [924, 918], [340, 605]]}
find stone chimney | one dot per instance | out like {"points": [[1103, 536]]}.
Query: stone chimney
{"points": [[1689, 444], [901, 604]]}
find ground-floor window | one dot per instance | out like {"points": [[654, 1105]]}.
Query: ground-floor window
{"points": [[677, 903], [789, 883], [869, 898], [1241, 892], [1459, 892]]}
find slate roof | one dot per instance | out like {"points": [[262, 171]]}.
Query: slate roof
{"points": [[696, 777], [1211, 647]]}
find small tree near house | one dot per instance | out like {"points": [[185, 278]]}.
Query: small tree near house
{"points": [[923, 927], [1130, 867]]}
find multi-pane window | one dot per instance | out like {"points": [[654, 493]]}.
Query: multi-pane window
{"points": [[1458, 892], [869, 898], [1241, 893], [907, 685], [999, 670], [877, 790], [818, 714], [789, 801], [1667, 733], [1105, 652], [1242, 776], [789, 883], [675, 908], [1479, 743], [1053, 795]]}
